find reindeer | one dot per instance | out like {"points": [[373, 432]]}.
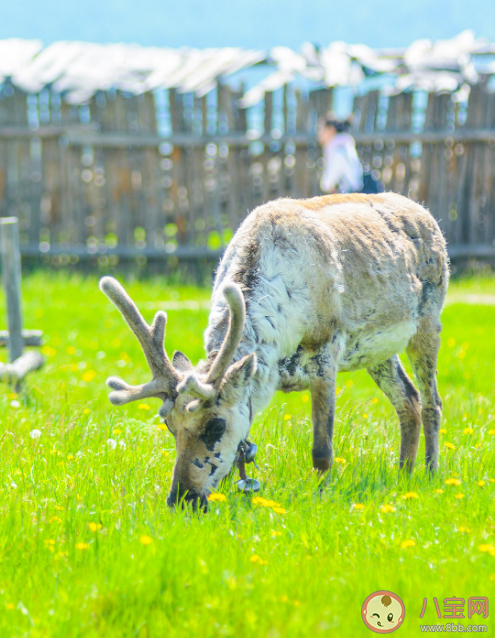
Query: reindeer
{"points": [[305, 289]]}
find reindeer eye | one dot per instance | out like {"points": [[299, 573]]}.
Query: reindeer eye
{"points": [[214, 431]]}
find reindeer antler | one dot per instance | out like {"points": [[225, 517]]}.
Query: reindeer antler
{"points": [[207, 390], [165, 377], [237, 317]]}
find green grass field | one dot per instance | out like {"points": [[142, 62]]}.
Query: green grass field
{"points": [[88, 546]]}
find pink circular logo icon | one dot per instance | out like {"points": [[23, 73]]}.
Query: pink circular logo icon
{"points": [[383, 612]]}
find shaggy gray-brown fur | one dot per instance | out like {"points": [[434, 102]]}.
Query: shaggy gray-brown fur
{"points": [[305, 289]]}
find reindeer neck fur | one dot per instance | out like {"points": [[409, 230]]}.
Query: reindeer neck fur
{"points": [[264, 344]]}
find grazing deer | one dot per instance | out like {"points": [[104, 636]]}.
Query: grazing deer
{"points": [[305, 289]]}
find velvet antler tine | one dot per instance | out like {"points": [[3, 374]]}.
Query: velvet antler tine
{"points": [[192, 385], [125, 393], [237, 316], [128, 309], [165, 377], [151, 339]]}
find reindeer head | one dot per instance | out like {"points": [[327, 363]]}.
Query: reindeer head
{"points": [[206, 409]]}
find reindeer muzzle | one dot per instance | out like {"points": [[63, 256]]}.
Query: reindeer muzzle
{"points": [[188, 498]]}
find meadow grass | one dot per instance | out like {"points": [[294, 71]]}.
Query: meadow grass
{"points": [[88, 546]]}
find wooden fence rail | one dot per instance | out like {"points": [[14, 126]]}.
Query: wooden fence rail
{"points": [[169, 175]]}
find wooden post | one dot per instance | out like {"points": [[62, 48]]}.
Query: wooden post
{"points": [[11, 274]]}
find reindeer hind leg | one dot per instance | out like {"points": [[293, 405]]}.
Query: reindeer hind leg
{"points": [[392, 379], [422, 351]]}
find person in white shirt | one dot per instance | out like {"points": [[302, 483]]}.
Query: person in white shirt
{"points": [[343, 171]]}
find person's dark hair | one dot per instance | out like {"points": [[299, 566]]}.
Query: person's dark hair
{"points": [[339, 124]]}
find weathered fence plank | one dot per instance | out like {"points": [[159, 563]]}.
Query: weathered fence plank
{"points": [[11, 275], [101, 182]]}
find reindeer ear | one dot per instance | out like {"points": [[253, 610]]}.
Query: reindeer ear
{"points": [[237, 377], [181, 362]]}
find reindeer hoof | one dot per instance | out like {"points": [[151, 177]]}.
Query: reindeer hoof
{"points": [[248, 485]]}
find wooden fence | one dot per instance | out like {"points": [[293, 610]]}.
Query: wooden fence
{"points": [[169, 175]]}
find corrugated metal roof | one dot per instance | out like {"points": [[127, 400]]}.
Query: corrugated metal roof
{"points": [[79, 69]]}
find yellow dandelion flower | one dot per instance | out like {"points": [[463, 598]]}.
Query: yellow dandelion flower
{"points": [[257, 559], [259, 500], [9, 605], [481, 483], [162, 426], [365, 416], [374, 400], [279, 510], [143, 406], [339, 460], [274, 533], [387, 509], [49, 541], [409, 495], [449, 446], [492, 432], [409, 543], [468, 430], [492, 480], [88, 376], [459, 496], [70, 457], [439, 491], [217, 497], [94, 527], [116, 430], [86, 411], [305, 398], [477, 446], [442, 431], [57, 507], [55, 519], [453, 481], [287, 417], [464, 530], [81, 546], [489, 549], [48, 351], [145, 540], [357, 506], [284, 599], [349, 383], [70, 350]]}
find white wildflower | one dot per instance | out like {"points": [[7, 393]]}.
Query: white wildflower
{"points": [[35, 434], [112, 444], [15, 404]]}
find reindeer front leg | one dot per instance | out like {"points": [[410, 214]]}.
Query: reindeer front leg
{"points": [[322, 388]]}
